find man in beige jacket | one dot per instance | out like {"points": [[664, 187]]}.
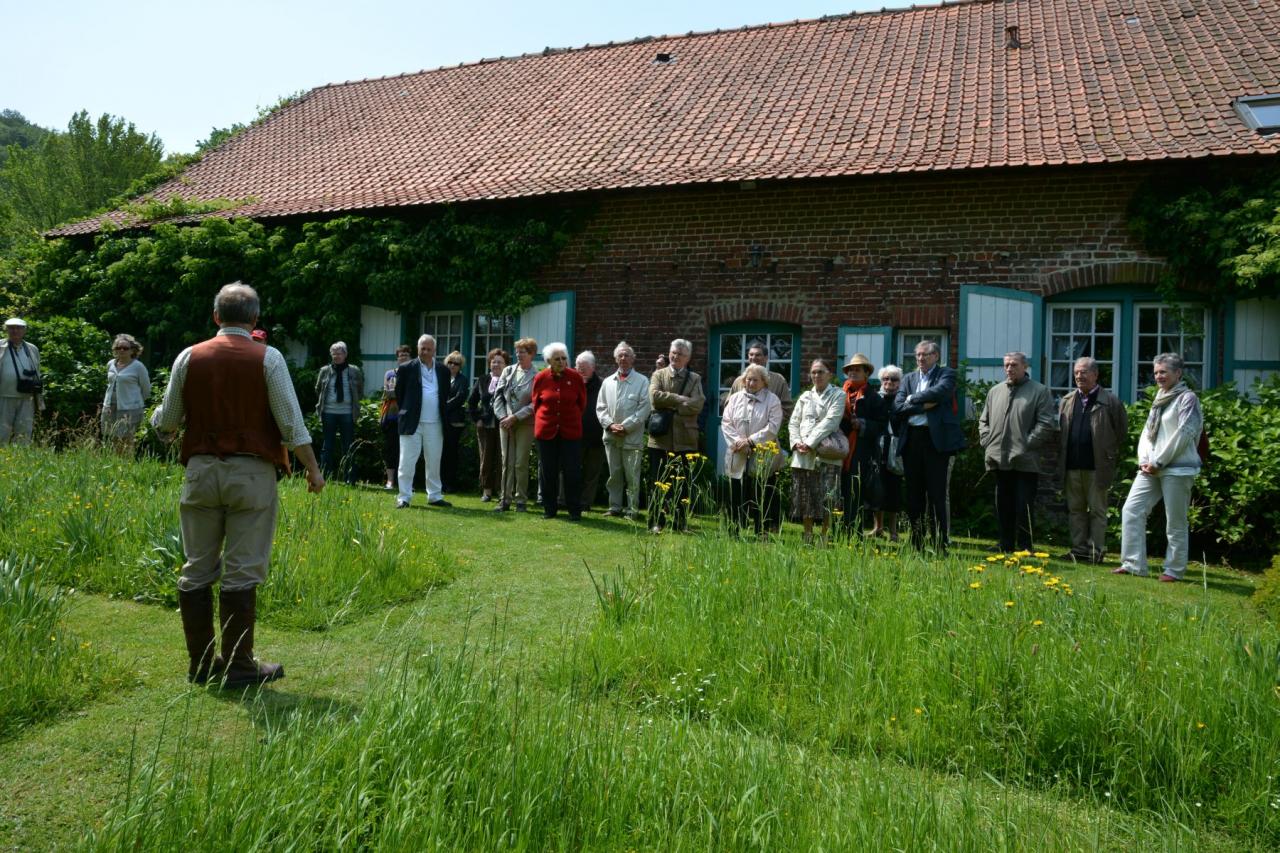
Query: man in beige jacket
{"points": [[19, 367], [677, 390], [1016, 424], [1093, 426]]}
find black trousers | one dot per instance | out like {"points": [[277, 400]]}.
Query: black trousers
{"points": [[560, 457], [747, 502], [669, 504], [1015, 494], [927, 473], [449, 457]]}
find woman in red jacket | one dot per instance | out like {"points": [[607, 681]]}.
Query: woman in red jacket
{"points": [[559, 395]]}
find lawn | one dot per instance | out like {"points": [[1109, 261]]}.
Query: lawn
{"points": [[463, 679]]}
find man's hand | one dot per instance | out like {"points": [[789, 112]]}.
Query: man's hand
{"points": [[315, 481], [307, 456], [617, 429], [508, 422]]}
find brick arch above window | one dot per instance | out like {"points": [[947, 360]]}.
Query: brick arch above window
{"points": [[1099, 274], [751, 310]]}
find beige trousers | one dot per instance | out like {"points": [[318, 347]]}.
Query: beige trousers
{"points": [[517, 443], [17, 416], [624, 474], [1086, 514], [228, 515]]}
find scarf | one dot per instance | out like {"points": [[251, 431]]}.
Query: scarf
{"points": [[852, 394], [338, 371], [1159, 404]]}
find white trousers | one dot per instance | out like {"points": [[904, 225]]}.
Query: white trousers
{"points": [[17, 416], [427, 441], [1148, 491]]}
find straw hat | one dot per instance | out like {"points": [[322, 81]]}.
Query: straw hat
{"points": [[859, 360]]}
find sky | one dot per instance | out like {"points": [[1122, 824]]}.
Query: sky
{"points": [[179, 68]]}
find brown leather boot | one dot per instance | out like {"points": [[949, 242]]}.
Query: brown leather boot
{"points": [[238, 610], [197, 624]]}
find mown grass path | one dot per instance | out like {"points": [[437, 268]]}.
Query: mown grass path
{"points": [[521, 587]]}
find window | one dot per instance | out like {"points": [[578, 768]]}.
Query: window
{"points": [[1076, 331], [1170, 328], [733, 354], [491, 330], [909, 339], [446, 328], [1260, 112]]}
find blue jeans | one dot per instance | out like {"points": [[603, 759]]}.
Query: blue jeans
{"points": [[339, 432]]}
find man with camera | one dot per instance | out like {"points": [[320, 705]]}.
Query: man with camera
{"points": [[19, 383]]}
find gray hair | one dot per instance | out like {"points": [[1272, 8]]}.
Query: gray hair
{"points": [[930, 347], [890, 371], [760, 345], [621, 347], [422, 339], [756, 370], [129, 341], [682, 345], [1171, 360], [237, 302], [1020, 356], [552, 348], [338, 345], [1088, 363], [586, 355]]}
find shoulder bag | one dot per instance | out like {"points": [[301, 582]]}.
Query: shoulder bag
{"points": [[660, 420]]}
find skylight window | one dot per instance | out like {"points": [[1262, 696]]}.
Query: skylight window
{"points": [[1260, 112]]}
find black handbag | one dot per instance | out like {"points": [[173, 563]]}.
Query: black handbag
{"points": [[661, 420]]}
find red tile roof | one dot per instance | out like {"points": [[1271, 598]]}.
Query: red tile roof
{"points": [[929, 88]]}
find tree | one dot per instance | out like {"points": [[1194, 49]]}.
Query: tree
{"points": [[71, 174], [16, 130], [1218, 228]]}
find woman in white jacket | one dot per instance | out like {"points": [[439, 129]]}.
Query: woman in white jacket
{"points": [[1168, 461], [750, 424], [815, 482]]}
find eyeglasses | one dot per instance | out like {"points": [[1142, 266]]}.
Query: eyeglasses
{"points": [[119, 348]]}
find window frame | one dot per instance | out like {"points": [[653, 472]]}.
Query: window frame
{"points": [[1245, 108], [1118, 309], [1207, 351], [461, 335], [899, 334]]}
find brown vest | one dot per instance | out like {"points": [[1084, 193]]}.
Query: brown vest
{"points": [[225, 398]]}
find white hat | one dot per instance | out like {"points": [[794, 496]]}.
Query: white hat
{"points": [[15, 321]]}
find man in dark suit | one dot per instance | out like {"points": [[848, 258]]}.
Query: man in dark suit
{"points": [[422, 388], [927, 402]]}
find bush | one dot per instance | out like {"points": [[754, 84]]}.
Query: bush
{"points": [[73, 357], [1267, 595]]}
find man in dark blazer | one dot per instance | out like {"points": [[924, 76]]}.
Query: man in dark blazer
{"points": [[928, 404], [422, 388]]}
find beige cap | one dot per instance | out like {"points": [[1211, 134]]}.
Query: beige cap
{"points": [[15, 321]]}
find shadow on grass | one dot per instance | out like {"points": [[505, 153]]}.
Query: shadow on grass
{"points": [[270, 708]]}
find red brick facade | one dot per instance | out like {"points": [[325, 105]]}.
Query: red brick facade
{"points": [[877, 251]]}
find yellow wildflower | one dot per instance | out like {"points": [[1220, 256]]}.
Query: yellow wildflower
{"points": [[1036, 623], [1008, 604], [976, 585]]}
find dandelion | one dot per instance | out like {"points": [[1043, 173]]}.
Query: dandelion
{"points": [[1043, 555], [919, 711], [994, 557], [1022, 553], [684, 501], [1199, 726], [976, 585], [1036, 623], [1008, 604]]}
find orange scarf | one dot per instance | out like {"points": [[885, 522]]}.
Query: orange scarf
{"points": [[852, 394]]}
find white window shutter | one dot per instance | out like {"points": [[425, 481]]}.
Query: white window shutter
{"points": [[549, 322], [997, 320], [875, 342]]}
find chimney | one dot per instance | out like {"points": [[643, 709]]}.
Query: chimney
{"points": [[1011, 40]]}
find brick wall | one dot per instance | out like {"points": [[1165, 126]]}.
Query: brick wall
{"points": [[893, 250]]}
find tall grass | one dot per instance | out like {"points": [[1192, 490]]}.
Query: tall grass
{"points": [[44, 671], [446, 756], [990, 669], [105, 524]]}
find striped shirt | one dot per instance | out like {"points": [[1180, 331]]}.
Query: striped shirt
{"points": [[280, 395]]}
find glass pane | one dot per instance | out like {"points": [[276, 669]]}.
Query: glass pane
{"points": [[1061, 348], [731, 347], [1170, 321], [1147, 349], [781, 348], [1193, 349], [1191, 375], [1061, 319], [728, 373], [1193, 323], [1061, 376], [1171, 344], [1104, 321], [1082, 320], [1104, 348], [1145, 376], [908, 363], [1148, 320], [1104, 375]]}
